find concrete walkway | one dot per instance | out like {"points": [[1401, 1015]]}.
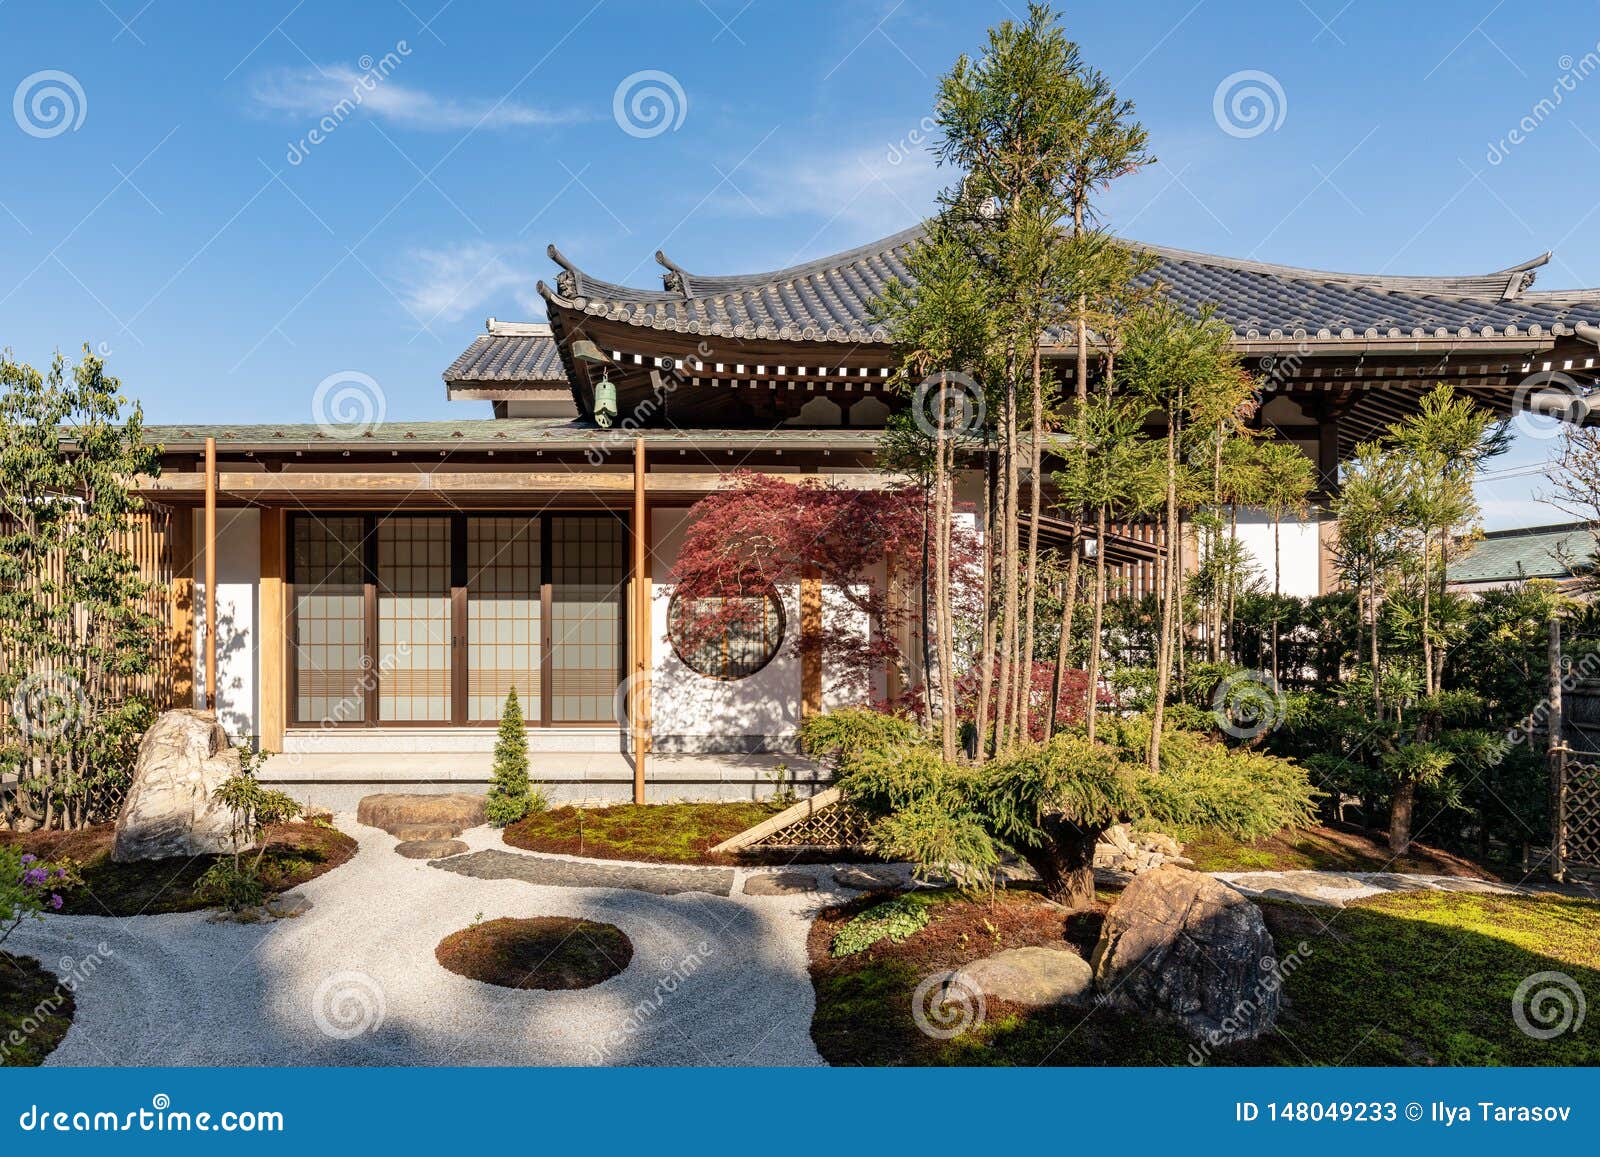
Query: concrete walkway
{"points": [[715, 980], [1336, 889]]}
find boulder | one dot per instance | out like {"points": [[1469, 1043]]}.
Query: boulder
{"points": [[169, 809], [1181, 944], [430, 849], [1032, 976], [1123, 850], [394, 811], [780, 884], [871, 877]]}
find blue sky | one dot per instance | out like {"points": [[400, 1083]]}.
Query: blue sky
{"points": [[182, 219]]}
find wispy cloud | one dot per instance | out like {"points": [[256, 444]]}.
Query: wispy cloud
{"points": [[882, 188], [449, 283], [318, 92]]}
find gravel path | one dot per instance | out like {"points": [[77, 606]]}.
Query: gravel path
{"points": [[714, 979]]}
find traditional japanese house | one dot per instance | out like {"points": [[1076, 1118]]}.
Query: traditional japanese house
{"points": [[375, 589]]}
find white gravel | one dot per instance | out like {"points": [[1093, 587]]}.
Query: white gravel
{"points": [[714, 980]]}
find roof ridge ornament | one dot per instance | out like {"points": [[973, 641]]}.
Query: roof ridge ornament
{"points": [[676, 278], [569, 282]]}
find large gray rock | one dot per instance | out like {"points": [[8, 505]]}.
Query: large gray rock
{"points": [[1032, 976], [169, 809], [1181, 944], [398, 813]]}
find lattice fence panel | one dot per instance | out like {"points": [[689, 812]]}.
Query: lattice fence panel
{"points": [[1581, 808], [836, 826]]}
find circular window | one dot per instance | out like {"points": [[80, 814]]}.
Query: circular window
{"points": [[725, 637]]}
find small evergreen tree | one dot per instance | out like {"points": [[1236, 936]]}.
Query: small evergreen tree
{"points": [[512, 796]]}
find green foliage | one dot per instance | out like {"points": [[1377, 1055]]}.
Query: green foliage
{"points": [[75, 628], [28, 887], [835, 737], [893, 920], [512, 796], [232, 884]]}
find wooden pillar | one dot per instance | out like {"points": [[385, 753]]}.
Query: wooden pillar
{"points": [[810, 643], [639, 708], [270, 636], [210, 547], [1556, 751], [180, 598]]}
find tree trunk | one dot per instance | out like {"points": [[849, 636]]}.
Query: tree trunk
{"points": [[986, 670], [1010, 672], [1069, 604], [1158, 708], [1091, 707], [1405, 801], [943, 610], [1031, 588], [1065, 862], [1427, 619]]}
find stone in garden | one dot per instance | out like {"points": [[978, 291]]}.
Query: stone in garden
{"points": [[1181, 944], [393, 811], [870, 877], [780, 884], [169, 809], [425, 832], [430, 849], [1032, 976], [287, 906]]}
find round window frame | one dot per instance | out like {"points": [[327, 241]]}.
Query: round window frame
{"points": [[773, 601]]}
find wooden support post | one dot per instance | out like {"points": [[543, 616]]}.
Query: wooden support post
{"points": [[180, 597], [211, 575], [639, 709], [270, 632], [1557, 751], [810, 643]]}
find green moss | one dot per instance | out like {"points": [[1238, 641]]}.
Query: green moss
{"points": [[892, 920], [664, 833], [1414, 978], [35, 1011]]}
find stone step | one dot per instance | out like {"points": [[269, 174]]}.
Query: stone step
{"points": [[394, 811]]}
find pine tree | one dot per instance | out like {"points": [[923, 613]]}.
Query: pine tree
{"points": [[512, 796]]}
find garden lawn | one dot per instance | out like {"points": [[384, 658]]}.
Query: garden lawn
{"points": [[35, 1011], [664, 833], [296, 852], [1418, 978], [1325, 849]]}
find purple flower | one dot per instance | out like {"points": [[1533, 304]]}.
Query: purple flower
{"points": [[28, 858], [33, 877], [55, 902]]}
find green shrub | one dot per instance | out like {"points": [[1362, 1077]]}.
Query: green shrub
{"points": [[893, 920], [234, 885], [512, 796]]}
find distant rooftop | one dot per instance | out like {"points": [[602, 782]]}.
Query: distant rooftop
{"points": [[1505, 556]]}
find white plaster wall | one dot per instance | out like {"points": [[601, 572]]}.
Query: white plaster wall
{"points": [[1299, 557], [692, 712], [238, 579]]}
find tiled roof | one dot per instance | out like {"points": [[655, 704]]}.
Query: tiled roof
{"points": [[828, 299], [1532, 552], [510, 352], [492, 433]]}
